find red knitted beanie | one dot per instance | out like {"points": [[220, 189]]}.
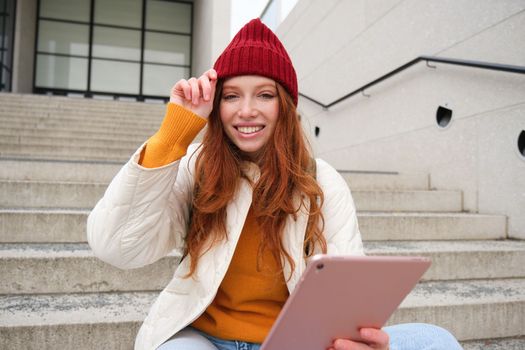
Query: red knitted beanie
{"points": [[256, 50]]}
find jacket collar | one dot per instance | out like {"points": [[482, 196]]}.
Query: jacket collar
{"points": [[251, 171]]}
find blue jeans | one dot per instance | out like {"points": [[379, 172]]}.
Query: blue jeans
{"points": [[407, 336], [192, 339]]}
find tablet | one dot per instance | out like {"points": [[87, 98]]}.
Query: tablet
{"points": [[338, 295]]}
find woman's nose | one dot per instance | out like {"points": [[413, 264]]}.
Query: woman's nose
{"points": [[247, 108]]}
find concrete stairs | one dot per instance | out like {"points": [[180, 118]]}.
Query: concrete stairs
{"points": [[44, 127], [57, 155]]}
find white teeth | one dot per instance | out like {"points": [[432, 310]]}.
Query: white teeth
{"points": [[249, 129]]}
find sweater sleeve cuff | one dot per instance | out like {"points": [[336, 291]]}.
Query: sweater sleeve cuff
{"points": [[170, 143]]}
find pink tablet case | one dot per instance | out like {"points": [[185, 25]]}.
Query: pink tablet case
{"points": [[338, 295]]}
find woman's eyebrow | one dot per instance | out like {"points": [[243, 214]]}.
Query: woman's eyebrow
{"points": [[266, 86], [260, 86]]}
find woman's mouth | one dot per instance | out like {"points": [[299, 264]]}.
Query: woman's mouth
{"points": [[249, 129]]}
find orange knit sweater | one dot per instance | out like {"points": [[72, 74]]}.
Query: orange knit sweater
{"points": [[253, 292], [249, 297], [171, 141]]}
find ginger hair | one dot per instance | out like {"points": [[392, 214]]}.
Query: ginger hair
{"points": [[287, 173]]}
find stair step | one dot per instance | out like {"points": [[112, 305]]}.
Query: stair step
{"points": [[57, 171], [21, 110], [385, 181], [72, 152], [32, 194], [431, 226], [45, 265], [57, 225], [99, 135], [68, 141], [113, 128], [69, 225], [517, 343], [477, 309], [58, 102], [73, 321], [469, 309], [82, 114], [85, 195], [460, 259], [23, 169], [93, 105], [80, 117], [402, 201]]}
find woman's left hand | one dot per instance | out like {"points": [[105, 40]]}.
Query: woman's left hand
{"points": [[373, 339]]}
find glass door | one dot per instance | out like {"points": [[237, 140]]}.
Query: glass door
{"points": [[7, 29], [132, 48]]}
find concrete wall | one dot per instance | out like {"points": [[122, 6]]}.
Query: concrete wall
{"points": [[24, 48], [338, 46], [211, 32], [395, 128]]}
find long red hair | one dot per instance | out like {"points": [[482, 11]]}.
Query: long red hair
{"points": [[287, 173]]}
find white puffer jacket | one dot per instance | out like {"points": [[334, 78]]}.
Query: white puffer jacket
{"points": [[144, 215]]}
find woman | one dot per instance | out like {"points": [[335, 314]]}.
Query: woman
{"points": [[246, 209]]}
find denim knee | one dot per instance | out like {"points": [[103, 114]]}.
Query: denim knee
{"points": [[421, 336]]}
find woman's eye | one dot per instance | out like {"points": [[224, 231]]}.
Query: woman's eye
{"points": [[267, 96], [229, 97]]}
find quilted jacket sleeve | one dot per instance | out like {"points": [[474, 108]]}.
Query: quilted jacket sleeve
{"points": [[341, 229], [144, 213]]}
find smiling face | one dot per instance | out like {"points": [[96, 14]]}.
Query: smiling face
{"points": [[249, 109]]}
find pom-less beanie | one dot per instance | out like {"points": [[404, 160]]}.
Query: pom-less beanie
{"points": [[256, 50]]}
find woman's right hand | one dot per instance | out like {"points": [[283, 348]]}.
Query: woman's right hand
{"points": [[196, 94]]}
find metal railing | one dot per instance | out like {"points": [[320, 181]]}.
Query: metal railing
{"points": [[457, 62]]}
